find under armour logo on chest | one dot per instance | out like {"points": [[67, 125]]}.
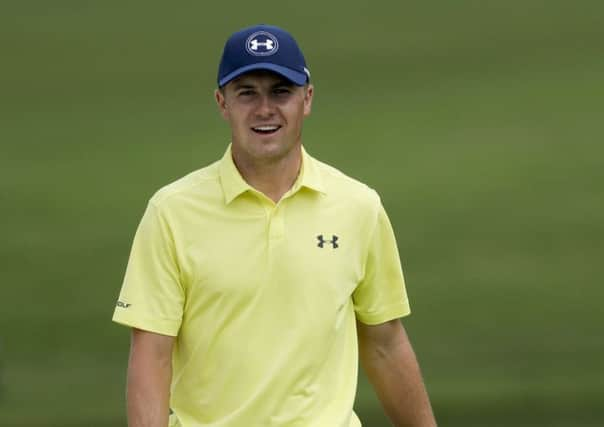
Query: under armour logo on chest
{"points": [[333, 242]]}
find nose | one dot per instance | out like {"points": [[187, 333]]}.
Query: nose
{"points": [[265, 107]]}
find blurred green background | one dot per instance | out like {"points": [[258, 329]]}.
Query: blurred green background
{"points": [[479, 122]]}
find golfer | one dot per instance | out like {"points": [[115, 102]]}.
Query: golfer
{"points": [[255, 283]]}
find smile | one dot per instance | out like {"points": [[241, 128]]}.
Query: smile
{"points": [[266, 129]]}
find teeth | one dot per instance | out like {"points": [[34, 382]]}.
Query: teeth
{"points": [[266, 128]]}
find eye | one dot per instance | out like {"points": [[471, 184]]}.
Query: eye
{"points": [[245, 92], [281, 90]]}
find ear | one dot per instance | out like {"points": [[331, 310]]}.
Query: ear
{"points": [[308, 94], [221, 102]]}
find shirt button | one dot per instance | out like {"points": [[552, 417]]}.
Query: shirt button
{"points": [[277, 227]]}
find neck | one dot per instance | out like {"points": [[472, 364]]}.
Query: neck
{"points": [[273, 177]]}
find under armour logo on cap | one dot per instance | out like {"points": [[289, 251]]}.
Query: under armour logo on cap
{"points": [[262, 43]]}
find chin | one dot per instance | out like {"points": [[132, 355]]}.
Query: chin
{"points": [[270, 149], [264, 148]]}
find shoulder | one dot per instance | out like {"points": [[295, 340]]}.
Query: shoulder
{"points": [[344, 188], [199, 184]]}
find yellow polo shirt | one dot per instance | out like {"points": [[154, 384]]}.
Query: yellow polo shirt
{"points": [[262, 297]]}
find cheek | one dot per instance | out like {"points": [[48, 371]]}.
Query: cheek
{"points": [[296, 114], [237, 119]]}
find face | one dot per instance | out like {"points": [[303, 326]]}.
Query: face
{"points": [[265, 113]]}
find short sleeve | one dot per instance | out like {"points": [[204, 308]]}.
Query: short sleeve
{"points": [[381, 295], [152, 297]]}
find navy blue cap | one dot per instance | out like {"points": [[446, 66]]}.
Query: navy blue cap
{"points": [[262, 47]]}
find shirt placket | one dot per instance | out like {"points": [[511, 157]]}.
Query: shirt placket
{"points": [[276, 229]]}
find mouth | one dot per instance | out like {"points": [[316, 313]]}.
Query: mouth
{"points": [[266, 129]]}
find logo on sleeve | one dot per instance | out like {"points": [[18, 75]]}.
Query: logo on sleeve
{"points": [[122, 304], [333, 242]]}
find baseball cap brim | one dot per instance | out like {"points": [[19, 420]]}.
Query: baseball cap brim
{"points": [[299, 79]]}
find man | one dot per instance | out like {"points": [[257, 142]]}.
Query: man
{"points": [[254, 283]]}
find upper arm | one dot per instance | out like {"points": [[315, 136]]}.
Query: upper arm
{"points": [[149, 378], [381, 294], [382, 337], [150, 347], [152, 295]]}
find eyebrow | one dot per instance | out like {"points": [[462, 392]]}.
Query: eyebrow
{"points": [[245, 85], [238, 86], [286, 83]]}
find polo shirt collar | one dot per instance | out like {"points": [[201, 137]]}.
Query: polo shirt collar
{"points": [[233, 183], [310, 175]]}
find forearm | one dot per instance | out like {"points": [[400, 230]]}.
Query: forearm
{"points": [[148, 389], [393, 370]]}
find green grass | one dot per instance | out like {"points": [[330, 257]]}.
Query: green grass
{"points": [[478, 122]]}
